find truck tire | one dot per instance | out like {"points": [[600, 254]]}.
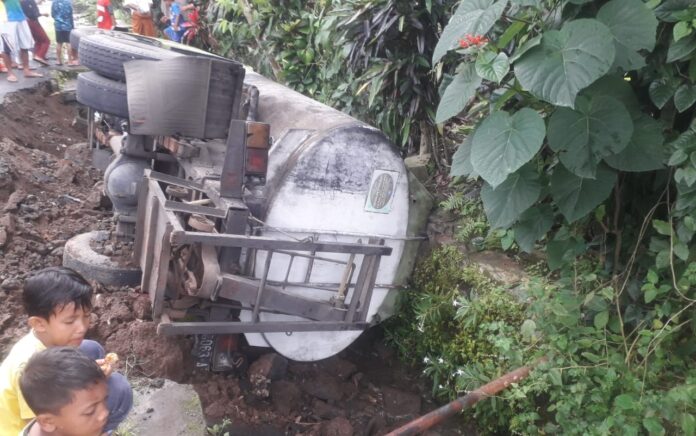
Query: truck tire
{"points": [[106, 53], [79, 255], [102, 94], [79, 32]]}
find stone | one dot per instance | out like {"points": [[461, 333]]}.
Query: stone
{"points": [[399, 404], [324, 410], [338, 367], [9, 222], [97, 198], [11, 284], [272, 366], [418, 165], [336, 427], [323, 386], [76, 153], [217, 409], [286, 396], [142, 309], [65, 171], [3, 237], [499, 268], [58, 252], [170, 410], [13, 202]]}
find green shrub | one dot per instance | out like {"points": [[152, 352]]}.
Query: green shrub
{"points": [[462, 328]]}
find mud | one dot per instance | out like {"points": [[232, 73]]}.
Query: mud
{"points": [[49, 193]]}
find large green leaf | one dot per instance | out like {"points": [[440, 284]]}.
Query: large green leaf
{"points": [[576, 196], [461, 161], [562, 250], [503, 143], [681, 49], [474, 17], [634, 27], [645, 151], [599, 127], [459, 92], [668, 8], [532, 226], [491, 66], [661, 91], [525, 47], [685, 97], [504, 204], [615, 86], [567, 61]]}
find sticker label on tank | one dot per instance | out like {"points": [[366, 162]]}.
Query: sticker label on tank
{"points": [[382, 190]]}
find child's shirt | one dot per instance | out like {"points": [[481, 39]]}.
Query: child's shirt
{"points": [[26, 431], [61, 11], [14, 411], [14, 11]]}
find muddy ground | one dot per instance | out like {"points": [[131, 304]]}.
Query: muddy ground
{"points": [[49, 193]]}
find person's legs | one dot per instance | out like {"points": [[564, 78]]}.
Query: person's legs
{"points": [[25, 43], [41, 41], [92, 349], [148, 27], [8, 63], [119, 401], [59, 53]]}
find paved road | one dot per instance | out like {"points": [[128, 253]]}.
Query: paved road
{"points": [[7, 87]]}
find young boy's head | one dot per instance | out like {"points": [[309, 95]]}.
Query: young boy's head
{"points": [[58, 302], [66, 390]]}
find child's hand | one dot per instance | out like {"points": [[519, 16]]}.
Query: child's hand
{"points": [[107, 363], [106, 368]]}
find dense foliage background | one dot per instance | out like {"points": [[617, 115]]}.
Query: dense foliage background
{"points": [[576, 119]]}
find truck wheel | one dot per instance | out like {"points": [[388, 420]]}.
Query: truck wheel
{"points": [[80, 256], [102, 94], [77, 34], [106, 53]]}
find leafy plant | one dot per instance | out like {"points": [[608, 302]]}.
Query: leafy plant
{"points": [[219, 429], [388, 44], [588, 145]]}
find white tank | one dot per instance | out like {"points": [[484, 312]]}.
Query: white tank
{"points": [[333, 178]]}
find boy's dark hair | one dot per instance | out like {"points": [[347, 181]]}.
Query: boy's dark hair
{"points": [[52, 376], [50, 289]]}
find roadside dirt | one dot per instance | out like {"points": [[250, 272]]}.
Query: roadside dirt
{"points": [[49, 193]]}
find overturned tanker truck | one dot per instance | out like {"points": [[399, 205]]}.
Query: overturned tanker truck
{"points": [[253, 209]]}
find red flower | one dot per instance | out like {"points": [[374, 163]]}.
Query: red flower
{"points": [[472, 40]]}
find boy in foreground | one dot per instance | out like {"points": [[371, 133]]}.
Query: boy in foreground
{"points": [[58, 302], [67, 392]]}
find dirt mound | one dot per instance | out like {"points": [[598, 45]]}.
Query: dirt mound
{"points": [[37, 118]]}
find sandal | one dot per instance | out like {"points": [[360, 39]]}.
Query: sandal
{"points": [[12, 79]]}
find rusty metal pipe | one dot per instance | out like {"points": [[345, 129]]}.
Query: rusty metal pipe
{"points": [[437, 416]]}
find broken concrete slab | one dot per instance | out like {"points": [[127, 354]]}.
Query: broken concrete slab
{"points": [[171, 409], [418, 165], [500, 268]]}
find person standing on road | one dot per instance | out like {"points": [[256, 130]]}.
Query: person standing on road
{"points": [[62, 13], [19, 38], [41, 41], [105, 15], [141, 15]]}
